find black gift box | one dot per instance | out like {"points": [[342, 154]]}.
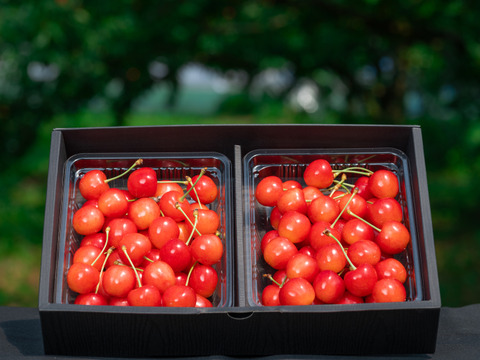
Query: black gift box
{"points": [[237, 325]]}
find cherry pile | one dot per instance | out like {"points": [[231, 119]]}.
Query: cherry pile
{"points": [[332, 237], [154, 243]]}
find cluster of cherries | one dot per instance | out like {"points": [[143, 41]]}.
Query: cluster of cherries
{"points": [[331, 241], [153, 244]]}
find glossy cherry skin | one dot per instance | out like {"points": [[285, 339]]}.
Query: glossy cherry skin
{"points": [[269, 236], [364, 251], [203, 302], [168, 205], [205, 188], [355, 230], [294, 226], [357, 205], [118, 228], [393, 237], [391, 269], [163, 229], [383, 210], [118, 280], [278, 252], [323, 208], [360, 282], [269, 190], [142, 212], [177, 254], [331, 257], [329, 287], [136, 246], [292, 200], [383, 184], [88, 220], [147, 295], [362, 185], [97, 239], [113, 203], [93, 184], [301, 265], [349, 298], [207, 249], [82, 278], [275, 217], [179, 296], [91, 299], [297, 291], [160, 275], [203, 280], [88, 254], [142, 182], [317, 236], [208, 222], [311, 193], [271, 295], [389, 290], [163, 188], [318, 174]]}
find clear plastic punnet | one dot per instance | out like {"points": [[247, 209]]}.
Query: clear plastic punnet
{"points": [[168, 166], [290, 165]]}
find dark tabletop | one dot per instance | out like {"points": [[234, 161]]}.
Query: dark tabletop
{"points": [[458, 336]]}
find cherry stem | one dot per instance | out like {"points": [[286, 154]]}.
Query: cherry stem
{"points": [[117, 262], [189, 179], [354, 192], [365, 221], [183, 182], [107, 231], [148, 259], [195, 183], [124, 249], [339, 184], [353, 170], [109, 251], [177, 205], [329, 233], [190, 272], [273, 280], [195, 215], [136, 163]]}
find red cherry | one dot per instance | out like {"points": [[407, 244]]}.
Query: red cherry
{"points": [[137, 246], [142, 182], [275, 217], [205, 188], [318, 174], [383, 184], [161, 230], [294, 226], [82, 278], [271, 295], [164, 187], [357, 204], [207, 249], [204, 280], [364, 251], [301, 265], [331, 257], [297, 291], [269, 190], [114, 301], [89, 254], [208, 222], [179, 296], [393, 238], [349, 298], [383, 210], [329, 287], [88, 220], [292, 200], [181, 278], [317, 235], [169, 202], [113, 203], [177, 254], [269, 235], [160, 275], [311, 193], [355, 230], [278, 252], [202, 302], [93, 184], [391, 269], [118, 280], [362, 185], [360, 282], [323, 208], [118, 228], [97, 239], [91, 299], [143, 211], [146, 295], [389, 290], [152, 256]]}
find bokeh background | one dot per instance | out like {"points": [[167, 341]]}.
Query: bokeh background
{"points": [[72, 63]]}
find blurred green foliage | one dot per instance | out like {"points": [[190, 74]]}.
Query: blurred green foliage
{"points": [[79, 63]]}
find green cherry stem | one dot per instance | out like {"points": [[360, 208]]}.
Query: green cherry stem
{"points": [[354, 192], [273, 280], [189, 180], [365, 221], [109, 251], [107, 231], [190, 272], [329, 233], [136, 163], [195, 215], [195, 183], [177, 205], [338, 184], [124, 249]]}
